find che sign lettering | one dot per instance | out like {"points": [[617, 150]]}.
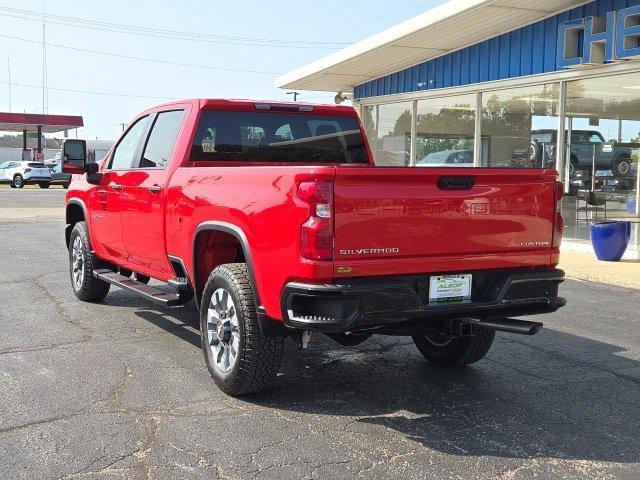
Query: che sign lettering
{"points": [[598, 40]]}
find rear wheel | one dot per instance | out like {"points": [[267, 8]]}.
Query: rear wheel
{"points": [[18, 181], [44, 185], [535, 152], [442, 349], [86, 287], [239, 358], [621, 166], [573, 166]]}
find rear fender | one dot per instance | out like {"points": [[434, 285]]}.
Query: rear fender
{"points": [[241, 238], [268, 326]]}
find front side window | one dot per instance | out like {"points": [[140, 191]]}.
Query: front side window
{"points": [[278, 138], [164, 133], [122, 158]]}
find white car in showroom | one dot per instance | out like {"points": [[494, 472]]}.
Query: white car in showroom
{"points": [[18, 174]]}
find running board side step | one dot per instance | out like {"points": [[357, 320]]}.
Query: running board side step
{"points": [[166, 299]]}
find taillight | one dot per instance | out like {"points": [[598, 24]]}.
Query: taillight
{"points": [[316, 236], [558, 221]]}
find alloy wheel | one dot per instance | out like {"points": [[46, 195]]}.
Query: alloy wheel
{"points": [[77, 263], [223, 334]]}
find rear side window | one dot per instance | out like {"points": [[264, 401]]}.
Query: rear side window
{"points": [[278, 138], [164, 133]]}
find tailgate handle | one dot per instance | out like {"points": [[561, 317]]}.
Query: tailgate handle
{"points": [[456, 183]]}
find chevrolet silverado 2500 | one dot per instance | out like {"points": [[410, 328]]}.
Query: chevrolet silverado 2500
{"points": [[276, 220]]}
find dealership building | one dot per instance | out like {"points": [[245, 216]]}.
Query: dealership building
{"points": [[505, 84]]}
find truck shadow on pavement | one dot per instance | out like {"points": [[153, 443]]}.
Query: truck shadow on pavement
{"points": [[555, 395]]}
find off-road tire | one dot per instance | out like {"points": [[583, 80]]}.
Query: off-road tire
{"points": [[259, 357], [18, 181], [91, 288], [617, 166], [459, 351], [574, 166], [44, 185], [535, 152]]}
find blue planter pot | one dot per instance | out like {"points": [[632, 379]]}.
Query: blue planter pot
{"points": [[631, 205], [610, 240]]}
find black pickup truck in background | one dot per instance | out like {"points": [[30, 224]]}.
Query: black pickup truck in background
{"points": [[608, 155]]}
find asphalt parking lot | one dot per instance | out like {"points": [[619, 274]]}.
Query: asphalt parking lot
{"points": [[120, 390]]}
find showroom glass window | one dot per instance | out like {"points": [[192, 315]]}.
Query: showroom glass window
{"points": [[445, 131], [603, 115], [388, 129], [517, 125]]}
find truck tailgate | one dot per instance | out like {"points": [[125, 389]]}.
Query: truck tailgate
{"points": [[415, 220]]}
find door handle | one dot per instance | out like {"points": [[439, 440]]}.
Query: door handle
{"points": [[116, 186], [155, 188]]}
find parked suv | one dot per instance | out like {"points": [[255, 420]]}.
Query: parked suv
{"points": [[18, 174], [608, 155], [276, 220]]}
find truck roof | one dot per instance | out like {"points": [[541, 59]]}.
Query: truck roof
{"points": [[240, 103]]}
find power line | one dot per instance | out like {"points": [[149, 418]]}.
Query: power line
{"points": [[128, 95], [89, 92], [172, 34], [143, 59]]}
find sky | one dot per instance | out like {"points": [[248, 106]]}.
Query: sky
{"points": [[267, 38]]}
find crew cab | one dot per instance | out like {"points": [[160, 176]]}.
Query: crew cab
{"points": [[275, 219]]}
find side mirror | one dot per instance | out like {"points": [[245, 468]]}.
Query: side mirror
{"points": [[74, 156]]}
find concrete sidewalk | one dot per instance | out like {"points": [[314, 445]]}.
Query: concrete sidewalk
{"points": [[585, 266]]}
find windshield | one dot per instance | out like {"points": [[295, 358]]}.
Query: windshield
{"points": [[542, 137], [434, 158], [278, 138]]}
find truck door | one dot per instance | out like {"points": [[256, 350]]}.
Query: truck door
{"points": [[105, 204], [144, 196]]}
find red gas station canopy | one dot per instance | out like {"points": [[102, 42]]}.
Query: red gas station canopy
{"points": [[18, 122]]}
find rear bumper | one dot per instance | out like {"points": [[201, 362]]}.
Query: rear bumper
{"points": [[363, 304]]}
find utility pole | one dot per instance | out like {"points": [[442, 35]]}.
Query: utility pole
{"points": [[9, 71], [44, 61], [295, 95]]}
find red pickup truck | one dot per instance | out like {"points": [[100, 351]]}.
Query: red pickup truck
{"points": [[275, 219]]}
